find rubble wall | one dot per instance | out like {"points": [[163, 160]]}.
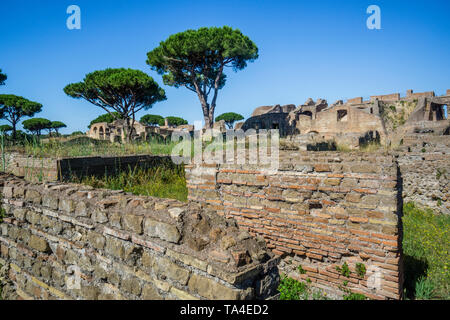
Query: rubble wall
{"points": [[67, 241]]}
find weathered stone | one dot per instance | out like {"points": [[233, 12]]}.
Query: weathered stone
{"points": [[150, 293], [131, 285], [90, 292], [99, 216], [227, 242], [114, 247], [210, 289], [96, 240], [50, 201], [175, 213], [81, 209], [133, 223], [167, 268], [66, 205], [188, 259], [39, 244], [19, 213], [161, 230], [33, 196]]}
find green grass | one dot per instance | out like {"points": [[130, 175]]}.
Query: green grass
{"points": [[161, 182], [426, 246], [83, 146]]}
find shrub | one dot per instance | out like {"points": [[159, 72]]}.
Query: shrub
{"points": [[291, 289]]}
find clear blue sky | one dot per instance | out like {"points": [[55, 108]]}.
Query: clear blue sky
{"points": [[318, 49]]}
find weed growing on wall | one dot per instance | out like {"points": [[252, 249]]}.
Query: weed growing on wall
{"points": [[292, 289]]}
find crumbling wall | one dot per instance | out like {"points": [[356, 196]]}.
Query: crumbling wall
{"points": [[66, 241], [319, 211]]}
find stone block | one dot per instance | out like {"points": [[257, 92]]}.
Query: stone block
{"points": [[211, 289], [162, 230], [39, 244], [133, 223]]}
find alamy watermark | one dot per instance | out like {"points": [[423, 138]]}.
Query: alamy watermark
{"points": [[374, 20], [73, 22], [211, 146]]}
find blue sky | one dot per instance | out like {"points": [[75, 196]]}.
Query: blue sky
{"points": [[318, 49]]}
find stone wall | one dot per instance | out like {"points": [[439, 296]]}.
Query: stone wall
{"points": [[31, 168], [66, 241], [319, 211], [101, 165], [424, 162], [41, 169]]}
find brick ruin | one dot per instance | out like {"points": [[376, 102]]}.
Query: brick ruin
{"points": [[319, 211], [385, 119], [116, 131]]}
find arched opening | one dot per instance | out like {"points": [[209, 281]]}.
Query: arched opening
{"points": [[101, 134], [342, 115]]}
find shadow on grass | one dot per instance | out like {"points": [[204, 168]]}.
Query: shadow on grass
{"points": [[414, 269]]}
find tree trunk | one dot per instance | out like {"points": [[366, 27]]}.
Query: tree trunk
{"points": [[129, 131], [14, 132]]}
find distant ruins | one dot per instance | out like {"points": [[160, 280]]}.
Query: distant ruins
{"points": [[115, 131], [385, 119]]}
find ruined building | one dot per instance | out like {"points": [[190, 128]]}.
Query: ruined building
{"points": [[385, 119], [115, 131]]}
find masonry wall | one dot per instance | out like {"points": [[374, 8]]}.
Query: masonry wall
{"points": [[31, 168], [40, 169], [319, 211], [121, 246], [424, 163]]}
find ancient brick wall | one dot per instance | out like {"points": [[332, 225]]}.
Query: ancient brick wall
{"points": [[66, 241], [387, 97], [321, 210], [31, 168]]}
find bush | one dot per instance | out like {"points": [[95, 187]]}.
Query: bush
{"points": [[291, 289]]}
